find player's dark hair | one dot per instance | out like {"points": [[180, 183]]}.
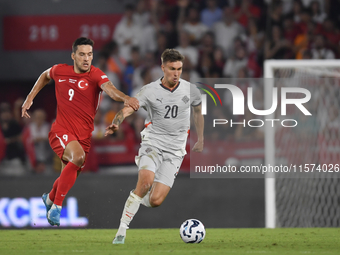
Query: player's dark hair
{"points": [[171, 55], [81, 41]]}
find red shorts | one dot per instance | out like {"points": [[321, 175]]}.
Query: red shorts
{"points": [[59, 138]]}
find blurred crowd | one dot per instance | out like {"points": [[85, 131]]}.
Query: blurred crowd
{"points": [[219, 39]]}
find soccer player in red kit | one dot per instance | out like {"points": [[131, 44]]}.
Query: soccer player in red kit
{"points": [[78, 90]]}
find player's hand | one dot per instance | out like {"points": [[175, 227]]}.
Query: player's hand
{"points": [[132, 102], [25, 107], [198, 147], [111, 129]]}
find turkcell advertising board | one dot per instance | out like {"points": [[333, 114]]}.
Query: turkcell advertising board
{"points": [[97, 201], [87, 204]]}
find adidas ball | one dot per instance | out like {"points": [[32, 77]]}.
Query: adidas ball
{"points": [[192, 231]]}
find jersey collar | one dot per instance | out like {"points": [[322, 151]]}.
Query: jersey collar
{"points": [[164, 87]]}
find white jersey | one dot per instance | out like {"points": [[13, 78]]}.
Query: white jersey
{"points": [[168, 122]]}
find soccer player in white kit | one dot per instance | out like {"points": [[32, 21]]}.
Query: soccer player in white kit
{"points": [[167, 101]]}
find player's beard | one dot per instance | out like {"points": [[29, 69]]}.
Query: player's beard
{"points": [[81, 69]]}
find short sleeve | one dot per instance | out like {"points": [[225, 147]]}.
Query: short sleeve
{"points": [[142, 96], [100, 77], [52, 71], [195, 95]]}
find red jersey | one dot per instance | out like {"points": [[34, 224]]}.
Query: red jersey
{"points": [[77, 98]]}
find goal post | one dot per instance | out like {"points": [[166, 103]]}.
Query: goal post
{"points": [[311, 69]]}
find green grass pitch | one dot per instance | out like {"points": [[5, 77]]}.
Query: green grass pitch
{"points": [[167, 241]]}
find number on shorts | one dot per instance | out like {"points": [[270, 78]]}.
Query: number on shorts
{"points": [[65, 137], [71, 94]]}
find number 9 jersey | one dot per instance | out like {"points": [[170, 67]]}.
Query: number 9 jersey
{"points": [[77, 97], [168, 122]]}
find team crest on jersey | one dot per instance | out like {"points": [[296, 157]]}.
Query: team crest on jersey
{"points": [[185, 99], [83, 84]]}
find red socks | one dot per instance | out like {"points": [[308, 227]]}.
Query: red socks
{"points": [[54, 189], [64, 183]]}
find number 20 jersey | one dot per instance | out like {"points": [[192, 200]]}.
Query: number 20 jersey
{"points": [[77, 98], [168, 122]]}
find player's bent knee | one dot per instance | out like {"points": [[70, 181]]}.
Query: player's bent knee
{"points": [[145, 179], [78, 159], [145, 186], [156, 202]]}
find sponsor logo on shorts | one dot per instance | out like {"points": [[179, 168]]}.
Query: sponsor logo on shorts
{"points": [[148, 150]]}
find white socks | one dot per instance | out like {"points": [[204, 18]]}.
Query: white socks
{"points": [[130, 209], [48, 200], [54, 206], [146, 200], [122, 229]]}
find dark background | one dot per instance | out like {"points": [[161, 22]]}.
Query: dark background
{"points": [[28, 65], [218, 203]]}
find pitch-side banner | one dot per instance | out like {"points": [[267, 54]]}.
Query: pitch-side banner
{"points": [[97, 201], [56, 32]]}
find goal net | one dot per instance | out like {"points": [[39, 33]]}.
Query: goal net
{"points": [[309, 197]]}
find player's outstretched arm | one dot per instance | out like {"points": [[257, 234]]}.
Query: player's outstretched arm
{"points": [[120, 116], [199, 124], [119, 96], [43, 79]]}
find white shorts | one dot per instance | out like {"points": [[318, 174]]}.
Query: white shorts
{"points": [[164, 164]]}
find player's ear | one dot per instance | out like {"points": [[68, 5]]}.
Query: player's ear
{"points": [[162, 66], [72, 55]]}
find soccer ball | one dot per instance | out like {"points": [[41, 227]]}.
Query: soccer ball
{"points": [[192, 231]]}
